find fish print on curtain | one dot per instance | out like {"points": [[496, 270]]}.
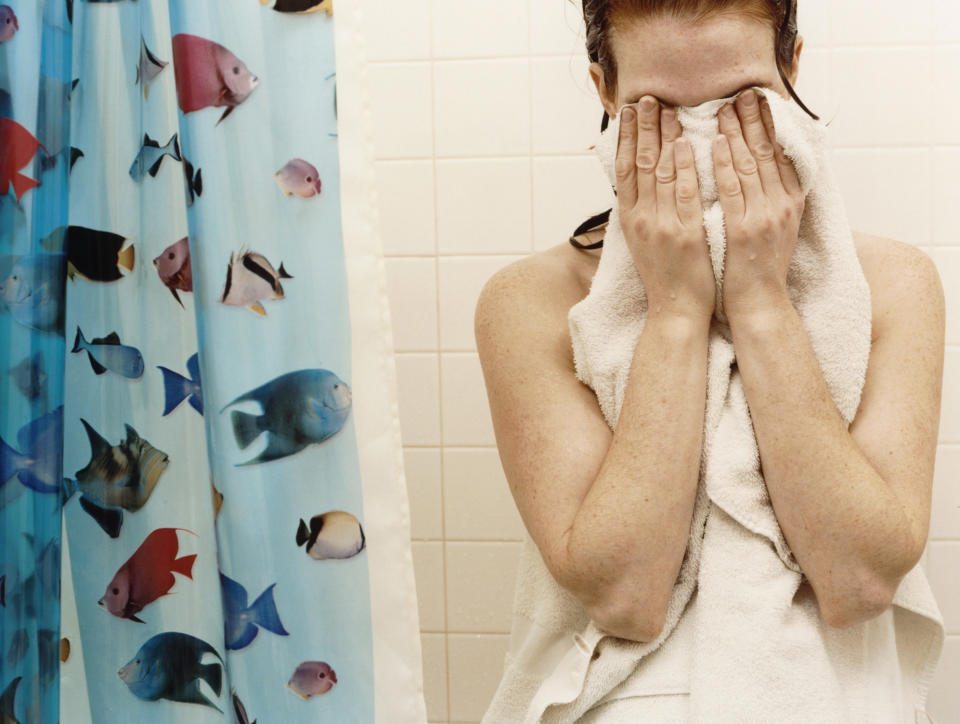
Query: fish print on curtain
{"points": [[210, 481], [35, 156]]}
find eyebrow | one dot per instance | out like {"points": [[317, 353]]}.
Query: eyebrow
{"points": [[636, 97]]}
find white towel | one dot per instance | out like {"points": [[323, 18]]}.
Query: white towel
{"points": [[759, 656]]}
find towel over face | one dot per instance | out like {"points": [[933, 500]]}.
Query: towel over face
{"points": [[759, 653]]}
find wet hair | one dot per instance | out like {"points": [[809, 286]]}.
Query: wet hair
{"points": [[600, 17]]}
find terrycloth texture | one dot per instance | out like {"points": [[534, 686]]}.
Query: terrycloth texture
{"points": [[759, 656]]}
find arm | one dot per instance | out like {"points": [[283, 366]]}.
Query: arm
{"points": [[853, 505], [609, 512]]}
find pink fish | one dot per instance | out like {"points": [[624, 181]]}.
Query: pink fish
{"points": [[17, 146], [173, 267], [147, 574], [208, 74], [299, 177], [8, 23], [312, 678]]}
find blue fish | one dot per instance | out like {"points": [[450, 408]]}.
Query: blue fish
{"points": [[178, 388], [107, 353], [241, 621], [8, 703], [19, 643], [30, 376], [43, 583], [38, 464], [34, 291], [151, 156], [168, 666], [299, 409]]}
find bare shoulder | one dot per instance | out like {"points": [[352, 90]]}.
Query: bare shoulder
{"points": [[897, 272], [537, 291]]}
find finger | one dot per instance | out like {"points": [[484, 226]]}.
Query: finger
{"points": [[728, 182], [670, 128], [788, 174], [689, 208], [626, 161], [666, 181], [743, 162], [759, 143], [648, 152]]}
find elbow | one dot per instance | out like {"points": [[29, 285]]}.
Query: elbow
{"points": [[857, 608], [625, 618]]}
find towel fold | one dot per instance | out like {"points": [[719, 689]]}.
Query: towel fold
{"points": [[759, 654]]}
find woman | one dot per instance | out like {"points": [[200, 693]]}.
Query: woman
{"points": [[593, 499]]}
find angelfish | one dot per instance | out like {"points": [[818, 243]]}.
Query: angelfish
{"points": [[302, 6], [334, 534], [208, 74], [173, 268], [169, 666], [250, 279]]}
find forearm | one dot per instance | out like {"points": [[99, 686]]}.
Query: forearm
{"points": [[846, 527], [629, 536]]}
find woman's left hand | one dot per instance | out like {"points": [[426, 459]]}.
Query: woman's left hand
{"points": [[762, 204]]}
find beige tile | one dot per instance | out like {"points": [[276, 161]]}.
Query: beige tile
{"points": [[946, 23], [400, 102], [566, 110], [946, 192], [397, 31], [945, 108], [945, 505], [424, 488], [886, 192], [480, 582], [482, 108], [943, 561], [406, 205], [471, 29], [428, 570], [477, 500], [465, 407], [870, 84], [412, 290], [943, 702], [557, 27], [483, 206], [435, 675], [566, 191], [418, 398], [461, 279], [476, 667], [815, 84], [950, 410], [881, 22], [814, 20], [947, 260]]}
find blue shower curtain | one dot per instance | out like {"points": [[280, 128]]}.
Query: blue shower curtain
{"points": [[175, 365]]}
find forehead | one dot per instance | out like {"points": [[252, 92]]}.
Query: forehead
{"points": [[686, 62]]}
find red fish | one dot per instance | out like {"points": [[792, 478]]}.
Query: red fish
{"points": [[17, 146], [208, 74], [147, 574]]}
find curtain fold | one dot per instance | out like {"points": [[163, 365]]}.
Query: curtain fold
{"points": [[179, 340]]}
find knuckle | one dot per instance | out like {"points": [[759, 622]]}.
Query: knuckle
{"points": [[730, 188], [686, 192], [666, 173], [646, 161], [623, 167], [764, 151]]}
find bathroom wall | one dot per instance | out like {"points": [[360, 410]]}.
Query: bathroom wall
{"points": [[483, 118]]}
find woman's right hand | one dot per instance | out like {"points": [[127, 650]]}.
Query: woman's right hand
{"points": [[658, 196]]}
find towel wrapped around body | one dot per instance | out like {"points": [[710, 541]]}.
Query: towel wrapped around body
{"points": [[760, 650]]}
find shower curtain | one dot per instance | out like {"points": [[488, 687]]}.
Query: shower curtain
{"points": [[196, 371]]}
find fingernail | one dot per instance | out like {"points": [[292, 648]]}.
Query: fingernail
{"points": [[750, 97], [629, 115], [647, 103], [669, 115]]}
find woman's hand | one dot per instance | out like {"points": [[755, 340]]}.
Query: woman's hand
{"points": [[762, 204], [658, 196]]}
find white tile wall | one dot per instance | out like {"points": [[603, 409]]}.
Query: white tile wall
{"points": [[484, 120]]}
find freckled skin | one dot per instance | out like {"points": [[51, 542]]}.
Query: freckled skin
{"points": [[708, 59]]}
